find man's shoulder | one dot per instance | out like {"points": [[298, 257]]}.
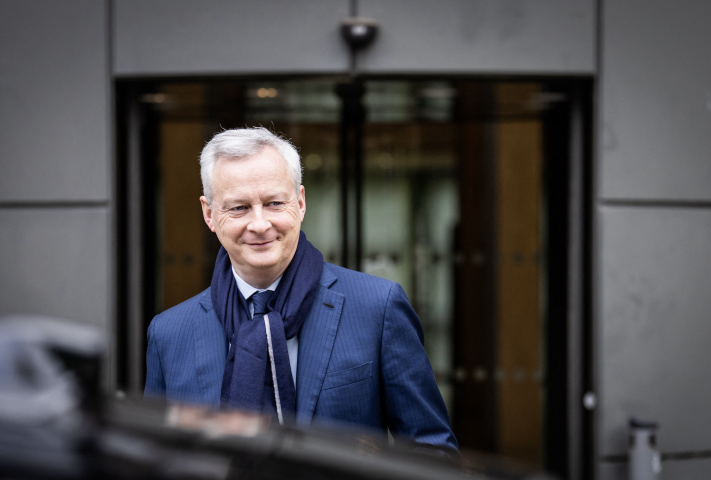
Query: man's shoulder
{"points": [[359, 283], [186, 311], [355, 276]]}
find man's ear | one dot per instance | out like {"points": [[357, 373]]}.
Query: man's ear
{"points": [[207, 213], [302, 201]]}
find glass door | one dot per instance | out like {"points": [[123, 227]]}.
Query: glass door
{"points": [[453, 200]]}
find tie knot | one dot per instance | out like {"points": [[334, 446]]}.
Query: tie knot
{"points": [[260, 300]]}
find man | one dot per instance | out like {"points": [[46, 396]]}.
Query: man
{"points": [[280, 331]]}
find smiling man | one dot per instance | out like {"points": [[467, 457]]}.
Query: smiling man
{"points": [[280, 331], [256, 212]]}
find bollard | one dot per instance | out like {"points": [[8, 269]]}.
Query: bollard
{"points": [[645, 460]]}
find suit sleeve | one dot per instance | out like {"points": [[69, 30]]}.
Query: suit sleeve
{"points": [[155, 383], [413, 403]]}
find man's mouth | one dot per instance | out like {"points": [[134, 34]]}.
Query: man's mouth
{"points": [[260, 244]]}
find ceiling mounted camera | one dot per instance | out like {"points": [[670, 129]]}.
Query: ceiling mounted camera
{"points": [[359, 32]]}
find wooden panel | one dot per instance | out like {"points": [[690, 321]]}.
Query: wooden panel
{"points": [[518, 331], [473, 417], [184, 231]]}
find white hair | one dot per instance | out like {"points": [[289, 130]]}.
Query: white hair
{"points": [[241, 143]]}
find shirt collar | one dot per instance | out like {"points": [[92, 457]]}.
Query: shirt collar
{"points": [[248, 290]]}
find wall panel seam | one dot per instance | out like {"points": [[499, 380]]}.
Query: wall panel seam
{"points": [[656, 203], [58, 204]]}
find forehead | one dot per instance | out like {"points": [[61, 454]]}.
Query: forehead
{"points": [[266, 169]]}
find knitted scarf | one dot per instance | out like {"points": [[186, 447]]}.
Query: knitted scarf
{"points": [[247, 382]]}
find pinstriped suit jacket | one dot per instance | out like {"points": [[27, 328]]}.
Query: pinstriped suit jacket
{"points": [[361, 359]]}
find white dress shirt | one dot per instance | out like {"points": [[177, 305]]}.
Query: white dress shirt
{"points": [[247, 290]]}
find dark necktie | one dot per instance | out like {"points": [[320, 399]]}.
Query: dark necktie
{"points": [[259, 301]]}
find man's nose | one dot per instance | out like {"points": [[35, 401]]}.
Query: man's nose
{"points": [[259, 223]]}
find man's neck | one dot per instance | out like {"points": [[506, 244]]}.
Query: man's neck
{"points": [[260, 281], [247, 289]]}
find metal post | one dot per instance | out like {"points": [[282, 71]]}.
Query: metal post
{"points": [[352, 117], [645, 460]]}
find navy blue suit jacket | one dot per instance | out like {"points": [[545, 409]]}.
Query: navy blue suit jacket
{"points": [[361, 359]]}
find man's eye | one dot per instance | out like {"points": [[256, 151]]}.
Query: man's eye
{"points": [[275, 204], [239, 208]]}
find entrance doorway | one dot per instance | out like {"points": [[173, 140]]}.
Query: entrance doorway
{"points": [[463, 192]]}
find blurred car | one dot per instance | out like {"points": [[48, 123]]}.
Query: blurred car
{"points": [[56, 424]]}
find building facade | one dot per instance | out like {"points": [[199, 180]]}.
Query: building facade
{"points": [[616, 95]]}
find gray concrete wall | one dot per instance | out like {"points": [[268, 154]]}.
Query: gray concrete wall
{"points": [[656, 100], [653, 200], [188, 37], [54, 260], [654, 228], [672, 470], [656, 265], [482, 36], [55, 186], [183, 37], [54, 93]]}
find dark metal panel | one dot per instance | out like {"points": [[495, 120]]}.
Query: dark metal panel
{"points": [[188, 37], [576, 301], [482, 36], [696, 469], [656, 100], [55, 261], [136, 279], [612, 471], [654, 325], [54, 121]]}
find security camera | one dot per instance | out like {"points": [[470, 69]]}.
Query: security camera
{"points": [[359, 32]]}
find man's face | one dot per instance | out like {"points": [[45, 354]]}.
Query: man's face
{"points": [[256, 214]]}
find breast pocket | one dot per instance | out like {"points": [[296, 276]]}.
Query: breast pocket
{"points": [[349, 396], [348, 376]]}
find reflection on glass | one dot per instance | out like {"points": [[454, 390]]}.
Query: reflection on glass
{"points": [[411, 203], [307, 113]]}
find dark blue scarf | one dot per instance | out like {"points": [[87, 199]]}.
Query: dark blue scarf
{"points": [[247, 380]]}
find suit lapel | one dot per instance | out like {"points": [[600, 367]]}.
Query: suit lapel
{"points": [[316, 340], [209, 336]]}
